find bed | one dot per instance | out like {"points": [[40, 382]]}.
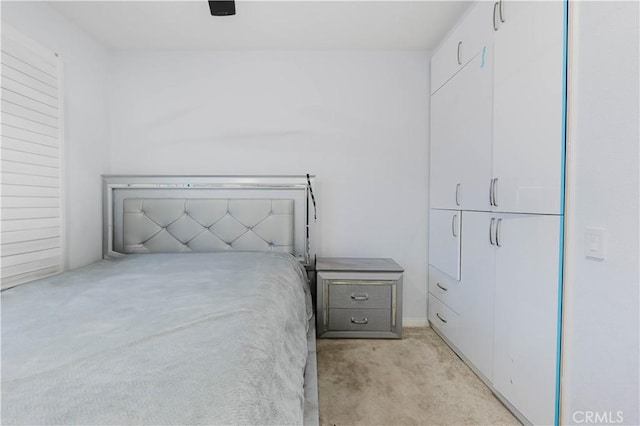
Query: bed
{"points": [[173, 326]]}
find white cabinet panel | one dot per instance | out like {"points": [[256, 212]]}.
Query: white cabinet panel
{"points": [[477, 291], [528, 107], [461, 138], [445, 61], [526, 306], [464, 43], [444, 241]]}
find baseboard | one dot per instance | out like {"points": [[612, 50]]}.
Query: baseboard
{"points": [[415, 322]]}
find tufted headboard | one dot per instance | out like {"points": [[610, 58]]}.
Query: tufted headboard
{"points": [[156, 225], [147, 214]]}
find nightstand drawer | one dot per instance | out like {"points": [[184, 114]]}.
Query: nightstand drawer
{"points": [[359, 319], [359, 294]]}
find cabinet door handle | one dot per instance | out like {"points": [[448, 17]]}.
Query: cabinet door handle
{"points": [[362, 321], [440, 318], [458, 53], [491, 223], [495, 192], [498, 232], [458, 185], [454, 225], [502, 11], [491, 192], [360, 296], [441, 287], [495, 27]]}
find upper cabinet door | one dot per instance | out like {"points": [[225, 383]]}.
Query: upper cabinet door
{"points": [[463, 44], [461, 138], [528, 112]]}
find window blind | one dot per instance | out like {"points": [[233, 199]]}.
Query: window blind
{"points": [[31, 226]]}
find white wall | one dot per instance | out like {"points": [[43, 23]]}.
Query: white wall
{"points": [[358, 120], [601, 321], [86, 143]]}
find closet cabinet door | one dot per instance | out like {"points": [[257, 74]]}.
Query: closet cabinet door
{"points": [[477, 290], [444, 241], [526, 313], [528, 107], [461, 138], [446, 61], [464, 43]]}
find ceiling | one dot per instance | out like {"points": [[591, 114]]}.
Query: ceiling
{"points": [[258, 25]]}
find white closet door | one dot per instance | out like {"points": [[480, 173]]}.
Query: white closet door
{"points": [[526, 308], [444, 241], [444, 149], [477, 290], [31, 225], [527, 112], [461, 138]]}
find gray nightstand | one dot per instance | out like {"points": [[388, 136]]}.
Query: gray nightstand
{"points": [[359, 297]]}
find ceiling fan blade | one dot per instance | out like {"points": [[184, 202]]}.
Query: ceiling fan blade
{"points": [[222, 7]]}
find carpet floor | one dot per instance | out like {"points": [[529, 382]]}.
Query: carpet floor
{"points": [[414, 381]]}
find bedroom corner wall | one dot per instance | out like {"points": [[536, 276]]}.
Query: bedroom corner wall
{"points": [[84, 64], [358, 120], [601, 316]]}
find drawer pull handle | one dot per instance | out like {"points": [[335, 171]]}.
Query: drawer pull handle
{"points": [[439, 317], [360, 297], [441, 287], [362, 321]]}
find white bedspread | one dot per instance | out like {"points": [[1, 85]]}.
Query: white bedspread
{"points": [[195, 338]]}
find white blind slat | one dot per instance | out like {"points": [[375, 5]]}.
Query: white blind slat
{"points": [[29, 213], [9, 60], [22, 268], [19, 99], [29, 191], [9, 154], [17, 202], [20, 259], [27, 180], [24, 135], [31, 82], [23, 123], [29, 114], [12, 249], [27, 224], [29, 235], [44, 61], [33, 274], [29, 92], [28, 136], [33, 169]]}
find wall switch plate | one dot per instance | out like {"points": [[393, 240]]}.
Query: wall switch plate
{"points": [[595, 243]]}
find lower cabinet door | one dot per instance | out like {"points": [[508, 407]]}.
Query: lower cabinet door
{"points": [[445, 227], [477, 290], [526, 313]]}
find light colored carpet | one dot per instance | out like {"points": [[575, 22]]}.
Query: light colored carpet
{"points": [[414, 381]]}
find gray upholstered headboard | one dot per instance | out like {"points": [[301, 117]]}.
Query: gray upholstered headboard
{"points": [[147, 214], [157, 225]]}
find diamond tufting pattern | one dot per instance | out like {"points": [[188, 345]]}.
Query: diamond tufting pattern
{"points": [[203, 225]]}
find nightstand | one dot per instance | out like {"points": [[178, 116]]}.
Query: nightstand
{"points": [[358, 298]]}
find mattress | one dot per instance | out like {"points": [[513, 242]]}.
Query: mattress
{"points": [[194, 338]]}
